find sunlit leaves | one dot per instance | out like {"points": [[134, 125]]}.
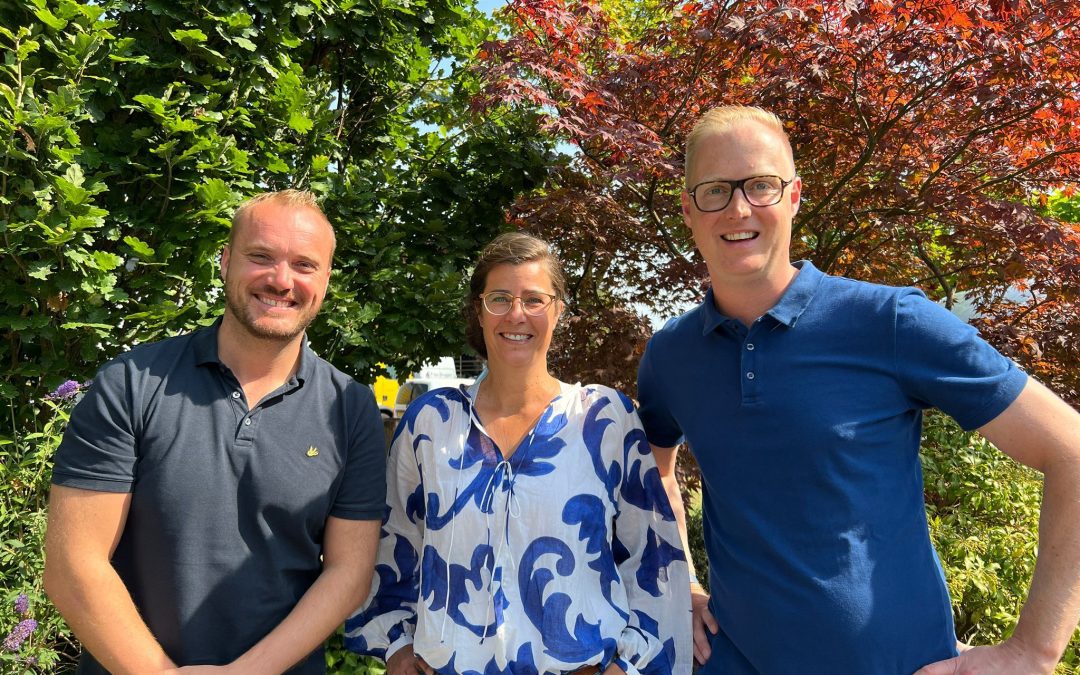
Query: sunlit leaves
{"points": [[921, 130]]}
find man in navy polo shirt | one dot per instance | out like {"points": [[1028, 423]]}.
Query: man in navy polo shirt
{"points": [[800, 395], [217, 496]]}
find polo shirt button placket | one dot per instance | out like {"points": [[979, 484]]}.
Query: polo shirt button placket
{"points": [[748, 363], [246, 435]]}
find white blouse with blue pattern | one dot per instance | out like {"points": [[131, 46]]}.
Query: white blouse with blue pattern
{"points": [[564, 555]]}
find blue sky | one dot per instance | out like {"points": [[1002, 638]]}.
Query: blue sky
{"points": [[488, 5]]}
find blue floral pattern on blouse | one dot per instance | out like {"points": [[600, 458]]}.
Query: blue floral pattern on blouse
{"points": [[564, 555]]}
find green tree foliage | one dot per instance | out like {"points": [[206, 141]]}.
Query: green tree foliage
{"points": [[922, 130], [129, 131], [1065, 207]]}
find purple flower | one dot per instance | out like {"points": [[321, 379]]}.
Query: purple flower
{"points": [[19, 634], [22, 605], [65, 391]]}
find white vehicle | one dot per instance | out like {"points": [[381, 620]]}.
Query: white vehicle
{"points": [[415, 388]]}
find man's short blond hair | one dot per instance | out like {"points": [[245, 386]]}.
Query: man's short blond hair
{"points": [[718, 120], [290, 197]]}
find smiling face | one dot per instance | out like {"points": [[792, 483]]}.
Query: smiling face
{"points": [[742, 243], [518, 339], [276, 270]]}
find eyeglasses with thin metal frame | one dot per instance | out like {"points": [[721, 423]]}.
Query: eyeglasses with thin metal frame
{"points": [[762, 191], [533, 303]]}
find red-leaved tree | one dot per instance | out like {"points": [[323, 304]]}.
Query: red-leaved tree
{"points": [[928, 136]]}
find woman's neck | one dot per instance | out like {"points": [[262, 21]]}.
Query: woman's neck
{"points": [[510, 392]]}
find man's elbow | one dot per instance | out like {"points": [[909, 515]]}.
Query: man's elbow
{"points": [[67, 577], [360, 589], [58, 583], [353, 583]]}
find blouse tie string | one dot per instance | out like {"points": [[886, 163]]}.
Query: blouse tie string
{"points": [[503, 475]]}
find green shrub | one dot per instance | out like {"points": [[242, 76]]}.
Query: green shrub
{"points": [[341, 660], [983, 510], [25, 473]]}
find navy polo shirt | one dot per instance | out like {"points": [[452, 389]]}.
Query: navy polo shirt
{"points": [[228, 503], [806, 428]]}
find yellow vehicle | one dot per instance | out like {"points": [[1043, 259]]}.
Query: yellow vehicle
{"points": [[386, 390]]}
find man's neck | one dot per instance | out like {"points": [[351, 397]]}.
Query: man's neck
{"points": [[254, 359], [746, 300]]}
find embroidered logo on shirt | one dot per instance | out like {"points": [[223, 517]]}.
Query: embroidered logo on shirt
{"points": [[313, 451]]}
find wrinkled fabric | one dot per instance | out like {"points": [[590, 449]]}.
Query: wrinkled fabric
{"points": [[565, 554]]}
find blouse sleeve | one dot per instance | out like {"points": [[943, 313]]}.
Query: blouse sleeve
{"points": [[651, 562], [386, 622]]}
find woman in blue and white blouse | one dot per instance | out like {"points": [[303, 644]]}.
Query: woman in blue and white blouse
{"points": [[527, 530]]}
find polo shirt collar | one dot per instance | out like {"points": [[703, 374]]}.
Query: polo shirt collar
{"points": [[798, 295], [787, 310], [205, 346], [711, 317]]}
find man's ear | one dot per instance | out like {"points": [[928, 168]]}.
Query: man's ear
{"points": [[796, 196]]}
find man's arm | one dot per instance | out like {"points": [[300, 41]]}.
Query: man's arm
{"points": [[349, 548], [84, 528], [1042, 431], [699, 599]]}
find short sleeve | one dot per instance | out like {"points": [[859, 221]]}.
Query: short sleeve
{"points": [[942, 362], [100, 448], [362, 493], [660, 427]]}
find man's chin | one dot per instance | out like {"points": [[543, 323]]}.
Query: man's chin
{"points": [[277, 333], [274, 331], [268, 328]]}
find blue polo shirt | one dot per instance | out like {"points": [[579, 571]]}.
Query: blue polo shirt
{"points": [[806, 428], [228, 502]]}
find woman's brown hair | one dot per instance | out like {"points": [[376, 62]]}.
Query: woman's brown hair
{"points": [[509, 248]]}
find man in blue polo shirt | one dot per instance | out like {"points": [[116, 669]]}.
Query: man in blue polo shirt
{"points": [[217, 496], [800, 395]]}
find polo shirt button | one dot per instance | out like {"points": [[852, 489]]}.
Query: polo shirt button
{"points": [[236, 394], [750, 347], [247, 420], [750, 375]]}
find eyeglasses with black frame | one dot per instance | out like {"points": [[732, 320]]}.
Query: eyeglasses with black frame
{"points": [[533, 303], [758, 191]]}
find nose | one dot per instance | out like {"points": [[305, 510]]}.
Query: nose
{"points": [[281, 276], [518, 306], [738, 207], [517, 309]]}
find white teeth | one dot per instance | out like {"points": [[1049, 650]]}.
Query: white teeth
{"points": [[738, 236], [275, 303], [516, 337]]}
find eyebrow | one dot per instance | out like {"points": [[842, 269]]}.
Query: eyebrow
{"points": [[527, 290]]}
